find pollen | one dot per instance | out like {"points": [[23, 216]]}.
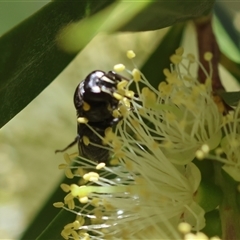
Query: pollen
{"points": [[208, 56], [114, 161], [109, 133], [75, 189], [175, 59], [86, 140], [83, 200], [115, 113], [126, 102], [124, 110], [119, 67], [91, 176], [117, 96], [100, 166], [184, 227], [122, 84], [131, 54], [68, 173], [200, 155], [179, 51], [191, 58], [205, 148], [65, 187], [67, 158], [62, 166], [136, 75], [86, 106], [58, 204], [76, 224], [82, 120]]}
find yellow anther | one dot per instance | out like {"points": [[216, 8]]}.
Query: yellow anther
{"points": [[121, 91], [86, 106], [184, 227], [82, 120], [86, 140], [75, 235], [122, 84], [65, 187], [76, 224], [62, 166], [100, 166], [191, 58], [67, 158], [179, 51], [68, 197], [115, 113], [68, 173], [129, 94], [119, 67], [64, 234], [91, 176], [123, 110], [68, 226], [58, 204], [114, 161], [208, 56], [136, 75], [117, 96], [108, 132], [126, 102], [131, 54], [175, 59]]}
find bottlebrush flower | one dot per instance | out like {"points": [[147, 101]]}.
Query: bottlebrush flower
{"points": [[150, 184], [229, 150]]}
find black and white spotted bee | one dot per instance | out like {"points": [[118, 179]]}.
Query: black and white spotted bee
{"points": [[95, 99]]}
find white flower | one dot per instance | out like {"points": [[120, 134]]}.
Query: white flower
{"points": [[150, 185], [182, 113], [144, 197], [230, 144]]}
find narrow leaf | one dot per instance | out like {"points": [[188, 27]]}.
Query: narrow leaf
{"points": [[226, 44], [30, 58], [160, 14], [232, 67], [231, 98]]}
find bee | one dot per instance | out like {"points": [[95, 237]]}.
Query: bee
{"points": [[95, 100]]}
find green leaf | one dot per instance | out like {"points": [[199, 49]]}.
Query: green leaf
{"points": [[160, 14], [131, 16], [231, 98], [226, 45], [213, 224], [53, 231], [48, 212], [30, 58], [231, 66], [208, 195], [153, 67], [30, 54], [224, 14]]}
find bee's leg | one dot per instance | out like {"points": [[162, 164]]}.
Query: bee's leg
{"points": [[70, 145]]}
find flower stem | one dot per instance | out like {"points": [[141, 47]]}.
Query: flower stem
{"points": [[229, 208]]}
